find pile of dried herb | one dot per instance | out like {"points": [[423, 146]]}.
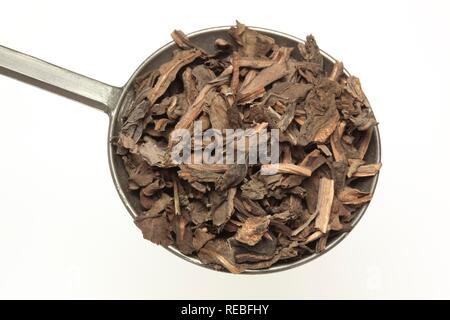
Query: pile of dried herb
{"points": [[234, 217]]}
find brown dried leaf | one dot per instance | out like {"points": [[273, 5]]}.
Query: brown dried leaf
{"points": [[183, 42], [134, 125], [252, 230], [285, 253], [158, 204], [199, 212], [353, 86], [367, 170], [196, 108], [168, 71], [335, 141], [189, 85], [322, 115], [191, 174], [252, 43], [184, 238], [364, 120], [253, 207], [268, 75], [255, 63], [217, 111], [232, 177], [152, 152], [353, 165], [289, 91], [287, 117], [354, 196], [201, 237], [223, 212], [219, 252], [310, 51], [156, 230], [264, 250], [153, 187], [141, 174], [254, 189], [313, 160]]}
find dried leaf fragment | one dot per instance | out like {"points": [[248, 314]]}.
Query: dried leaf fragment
{"points": [[168, 71], [232, 177], [201, 237], [353, 86], [253, 230], [219, 252], [354, 196], [322, 116], [254, 189], [367, 170], [224, 211], [253, 44], [310, 51], [263, 79], [157, 230]]}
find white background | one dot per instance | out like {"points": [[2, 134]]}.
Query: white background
{"points": [[64, 232]]}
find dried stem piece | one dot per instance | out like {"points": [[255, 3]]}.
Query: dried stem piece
{"points": [[271, 169], [176, 197], [324, 203]]}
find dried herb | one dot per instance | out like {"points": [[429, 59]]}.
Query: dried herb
{"points": [[244, 216]]}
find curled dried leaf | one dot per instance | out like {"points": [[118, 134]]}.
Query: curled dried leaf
{"points": [[353, 86], [252, 43], [354, 196]]}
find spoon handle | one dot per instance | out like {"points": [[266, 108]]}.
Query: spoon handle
{"points": [[58, 80]]}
